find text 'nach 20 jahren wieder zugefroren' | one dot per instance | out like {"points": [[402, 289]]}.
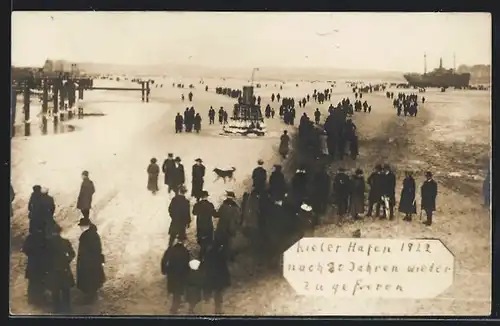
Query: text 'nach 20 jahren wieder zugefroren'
{"points": [[360, 267]]}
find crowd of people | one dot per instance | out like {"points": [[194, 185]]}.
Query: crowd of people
{"points": [[273, 208], [406, 103]]}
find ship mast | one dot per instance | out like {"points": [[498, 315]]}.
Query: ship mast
{"points": [[454, 66], [425, 63]]}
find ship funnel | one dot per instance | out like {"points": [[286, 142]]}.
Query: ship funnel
{"points": [[440, 63]]}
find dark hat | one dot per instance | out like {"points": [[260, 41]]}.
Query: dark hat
{"points": [[428, 174], [177, 159], [204, 194], [386, 167], [85, 173], [230, 194], [341, 168], [170, 155], [358, 171], [378, 167], [153, 160], [84, 222], [37, 188], [260, 162], [198, 160]]}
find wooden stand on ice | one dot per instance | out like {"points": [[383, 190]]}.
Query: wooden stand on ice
{"points": [[247, 117]]}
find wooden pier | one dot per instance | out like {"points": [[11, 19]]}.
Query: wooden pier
{"points": [[63, 87]]}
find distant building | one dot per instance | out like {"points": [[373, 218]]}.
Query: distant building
{"points": [[60, 66]]}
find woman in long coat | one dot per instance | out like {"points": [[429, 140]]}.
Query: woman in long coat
{"points": [[407, 203], [89, 270], [153, 173], [357, 194]]}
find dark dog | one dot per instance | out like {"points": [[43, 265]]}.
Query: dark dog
{"points": [[224, 174]]}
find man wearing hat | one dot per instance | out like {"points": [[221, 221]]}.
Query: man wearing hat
{"points": [[84, 201], [259, 178], [167, 168], [35, 249], [180, 215], [204, 212], [341, 189], [428, 192], [389, 185], [35, 209], [357, 200], [228, 215], [48, 207], [60, 277], [320, 192], [376, 189], [178, 177], [175, 265], [198, 173]]}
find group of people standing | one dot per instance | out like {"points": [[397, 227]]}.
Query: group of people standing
{"points": [[406, 103], [190, 121], [49, 255]]}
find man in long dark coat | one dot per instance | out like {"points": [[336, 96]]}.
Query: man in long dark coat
{"points": [[317, 116], [320, 193], [89, 270], [389, 186], [180, 215], [357, 196], [218, 276], [84, 202], [48, 206], [168, 168], [197, 123], [300, 181], [179, 121], [35, 209], [284, 144], [376, 191], [221, 115], [177, 177], [175, 265], [277, 184], [211, 116], [60, 277], [259, 178], [407, 199], [229, 216], [341, 188], [35, 249], [204, 212], [428, 194], [198, 173]]}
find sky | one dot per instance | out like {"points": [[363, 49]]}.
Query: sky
{"points": [[374, 41]]}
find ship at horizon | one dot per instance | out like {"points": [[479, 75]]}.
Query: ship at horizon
{"points": [[439, 77]]}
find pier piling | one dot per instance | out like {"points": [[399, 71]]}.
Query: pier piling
{"points": [[27, 122]]}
